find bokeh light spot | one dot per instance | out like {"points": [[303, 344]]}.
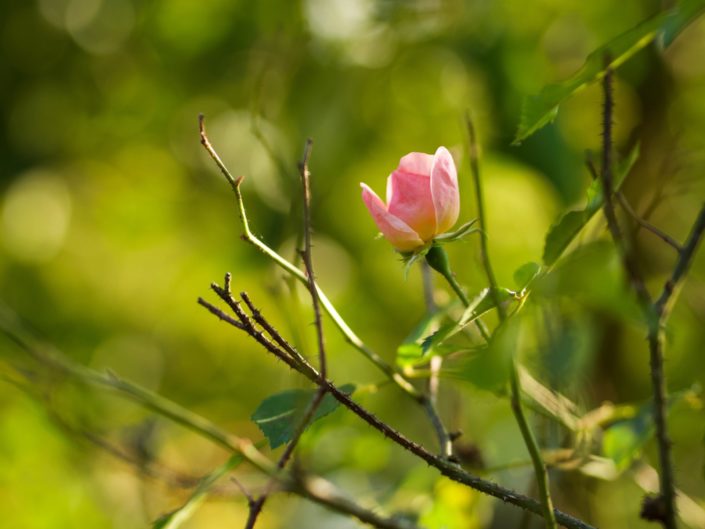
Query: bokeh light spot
{"points": [[35, 217]]}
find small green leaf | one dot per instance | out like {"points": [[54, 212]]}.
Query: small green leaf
{"points": [[489, 368], [525, 274], [564, 231], [622, 441], [177, 517], [410, 352], [278, 415], [480, 304], [540, 110]]}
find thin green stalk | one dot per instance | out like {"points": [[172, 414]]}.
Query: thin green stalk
{"points": [[514, 385], [539, 466]]}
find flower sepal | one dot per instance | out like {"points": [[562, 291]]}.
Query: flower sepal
{"points": [[411, 257], [462, 232]]}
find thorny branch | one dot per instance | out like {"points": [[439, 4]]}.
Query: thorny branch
{"points": [[661, 508], [392, 374], [257, 505], [446, 467]]}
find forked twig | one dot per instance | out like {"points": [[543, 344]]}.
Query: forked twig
{"points": [[655, 313]]}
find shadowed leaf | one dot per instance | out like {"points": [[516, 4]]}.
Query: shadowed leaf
{"points": [[278, 415], [564, 231]]}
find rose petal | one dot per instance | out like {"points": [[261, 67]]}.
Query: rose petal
{"points": [[395, 230], [416, 163], [410, 200], [444, 190]]}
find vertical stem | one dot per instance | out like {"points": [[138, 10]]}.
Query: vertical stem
{"points": [[654, 312], [430, 404], [479, 197], [514, 385]]}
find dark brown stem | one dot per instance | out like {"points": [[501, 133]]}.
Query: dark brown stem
{"points": [[665, 237], [257, 505], [655, 314]]}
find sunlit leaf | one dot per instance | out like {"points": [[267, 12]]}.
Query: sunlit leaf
{"points": [[540, 110], [564, 231], [525, 274], [622, 442], [411, 352], [278, 415], [489, 368]]}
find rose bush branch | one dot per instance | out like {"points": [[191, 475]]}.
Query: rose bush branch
{"points": [[392, 374], [442, 464], [627, 207], [257, 505], [655, 313], [540, 470], [249, 237]]}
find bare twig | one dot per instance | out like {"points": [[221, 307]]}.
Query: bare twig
{"points": [[262, 321], [219, 313], [665, 237], [257, 506], [308, 259], [540, 471], [626, 206], [685, 258]]}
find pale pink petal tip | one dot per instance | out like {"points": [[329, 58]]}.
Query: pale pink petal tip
{"points": [[444, 190], [395, 230]]}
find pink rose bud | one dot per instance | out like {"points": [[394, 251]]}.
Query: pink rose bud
{"points": [[422, 200]]}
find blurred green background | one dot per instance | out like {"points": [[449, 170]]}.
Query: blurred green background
{"points": [[113, 221]]}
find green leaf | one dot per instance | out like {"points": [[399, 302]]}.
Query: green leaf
{"points": [[177, 517], [480, 304], [525, 274], [278, 415], [489, 368], [688, 10], [622, 441], [564, 231], [410, 352], [540, 110]]}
